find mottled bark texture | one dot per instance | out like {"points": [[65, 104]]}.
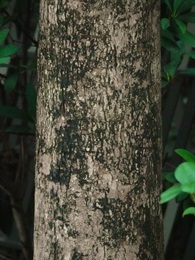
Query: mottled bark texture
{"points": [[98, 131]]}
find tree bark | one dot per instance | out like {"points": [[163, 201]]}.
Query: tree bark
{"points": [[98, 153]]}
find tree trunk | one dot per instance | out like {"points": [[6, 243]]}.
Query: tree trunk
{"points": [[98, 131]]}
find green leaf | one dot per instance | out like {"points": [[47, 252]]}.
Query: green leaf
{"points": [[32, 65], [168, 3], [8, 50], [176, 4], [190, 72], [182, 196], [31, 96], [185, 5], [188, 187], [189, 211], [12, 112], [165, 23], [170, 193], [189, 17], [190, 53], [18, 129], [3, 3], [187, 37], [176, 56], [1, 20], [171, 68], [168, 44], [192, 196], [187, 203], [169, 176], [168, 34], [3, 35], [187, 156], [10, 82], [185, 172], [4, 60], [181, 25]]}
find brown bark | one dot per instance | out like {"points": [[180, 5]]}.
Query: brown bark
{"points": [[98, 131]]}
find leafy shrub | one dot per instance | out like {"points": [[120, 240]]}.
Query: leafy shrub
{"points": [[176, 38], [183, 181]]}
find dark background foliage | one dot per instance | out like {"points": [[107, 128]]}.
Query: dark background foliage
{"points": [[18, 46]]}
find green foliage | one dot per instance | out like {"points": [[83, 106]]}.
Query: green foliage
{"points": [[189, 211], [10, 82], [7, 50], [19, 129], [165, 23], [3, 35], [12, 112], [17, 81], [183, 181], [169, 176], [187, 156], [175, 37], [170, 193]]}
